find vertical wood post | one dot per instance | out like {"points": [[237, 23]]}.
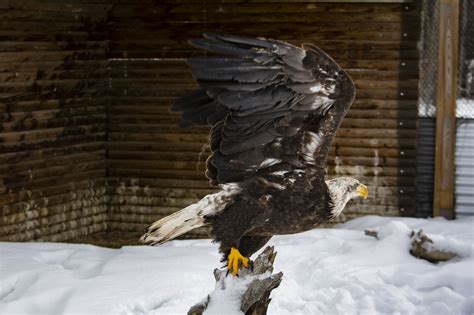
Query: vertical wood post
{"points": [[443, 200]]}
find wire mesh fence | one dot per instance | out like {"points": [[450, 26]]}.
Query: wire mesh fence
{"points": [[464, 160], [465, 101], [428, 59], [429, 46]]}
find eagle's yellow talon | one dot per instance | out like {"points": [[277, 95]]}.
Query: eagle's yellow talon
{"points": [[233, 260]]}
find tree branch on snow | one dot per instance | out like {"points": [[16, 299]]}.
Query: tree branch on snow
{"points": [[372, 233], [422, 247], [251, 290]]}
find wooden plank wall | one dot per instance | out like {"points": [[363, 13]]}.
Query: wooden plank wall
{"points": [[53, 76], [153, 165]]}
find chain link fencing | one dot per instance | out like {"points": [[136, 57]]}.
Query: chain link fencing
{"points": [[465, 101]]}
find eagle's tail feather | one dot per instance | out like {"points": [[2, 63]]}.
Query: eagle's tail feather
{"points": [[189, 218], [174, 225]]}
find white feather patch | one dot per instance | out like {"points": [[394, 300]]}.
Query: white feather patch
{"points": [[311, 142], [190, 217], [316, 88], [269, 162], [279, 173]]}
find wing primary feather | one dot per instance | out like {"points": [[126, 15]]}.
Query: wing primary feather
{"points": [[252, 42], [233, 86], [259, 96], [219, 62], [239, 74], [222, 48]]}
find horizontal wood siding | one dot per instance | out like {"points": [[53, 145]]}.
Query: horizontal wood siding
{"points": [[156, 168], [53, 81], [87, 142]]}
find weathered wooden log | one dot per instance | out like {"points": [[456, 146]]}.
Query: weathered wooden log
{"points": [[165, 174], [45, 123], [162, 138], [369, 171], [41, 234], [19, 106], [53, 180], [158, 164], [138, 218], [152, 201], [26, 165], [376, 133], [51, 201], [46, 153], [33, 209], [371, 233], [159, 155], [138, 210], [62, 140], [52, 190], [72, 233], [126, 226], [60, 237], [46, 114], [32, 135], [88, 209], [25, 178], [53, 55], [193, 6], [253, 287], [157, 182], [136, 190], [423, 247], [120, 145]]}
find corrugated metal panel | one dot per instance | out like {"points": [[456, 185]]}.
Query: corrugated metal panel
{"points": [[425, 161], [465, 167]]}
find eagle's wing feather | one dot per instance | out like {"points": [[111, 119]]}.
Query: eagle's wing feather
{"points": [[327, 125], [261, 99]]}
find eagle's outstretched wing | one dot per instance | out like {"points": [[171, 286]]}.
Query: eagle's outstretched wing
{"points": [[272, 106]]}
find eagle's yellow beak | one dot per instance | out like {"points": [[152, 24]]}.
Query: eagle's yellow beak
{"points": [[363, 191]]}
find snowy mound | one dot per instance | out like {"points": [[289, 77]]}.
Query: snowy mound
{"points": [[328, 271]]}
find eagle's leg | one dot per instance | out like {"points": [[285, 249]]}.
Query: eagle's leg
{"points": [[234, 259], [250, 244], [241, 255], [229, 228]]}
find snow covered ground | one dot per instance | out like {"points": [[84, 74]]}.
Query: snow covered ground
{"points": [[326, 271]]}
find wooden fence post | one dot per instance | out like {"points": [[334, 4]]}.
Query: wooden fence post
{"points": [[443, 199]]}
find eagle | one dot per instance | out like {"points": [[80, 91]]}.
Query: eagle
{"points": [[274, 109]]}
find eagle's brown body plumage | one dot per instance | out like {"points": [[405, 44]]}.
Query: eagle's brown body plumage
{"points": [[274, 109], [261, 211]]}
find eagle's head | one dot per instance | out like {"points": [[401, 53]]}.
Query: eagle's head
{"points": [[343, 189]]}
